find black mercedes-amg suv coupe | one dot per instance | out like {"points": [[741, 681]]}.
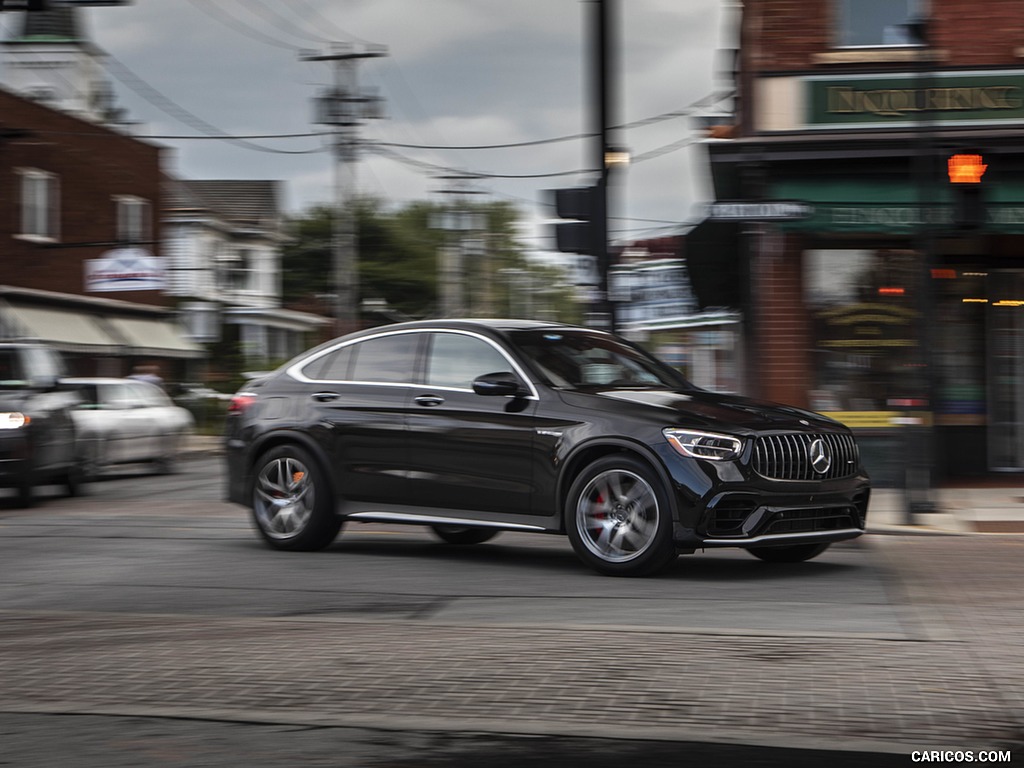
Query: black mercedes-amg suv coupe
{"points": [[471, 427]]}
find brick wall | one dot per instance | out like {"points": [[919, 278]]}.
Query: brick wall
{"points": [[780, 369], [94, 164], [784, 35]]}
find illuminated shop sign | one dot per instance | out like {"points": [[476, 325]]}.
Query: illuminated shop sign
{"points": [[901, 100]]}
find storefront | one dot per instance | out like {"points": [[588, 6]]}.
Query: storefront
{"points": [[906, 317]]}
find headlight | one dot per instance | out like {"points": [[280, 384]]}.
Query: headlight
{"points": [[13, 420], [704, 445]]}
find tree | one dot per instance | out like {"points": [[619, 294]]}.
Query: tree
{"points": [[398, 262]]}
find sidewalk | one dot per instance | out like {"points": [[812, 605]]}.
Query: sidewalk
{"points": [[958, 511]]}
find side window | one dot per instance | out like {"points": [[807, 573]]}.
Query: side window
{"points": [[876, 22], [40, 205], [385, 359], [455, 360], [148, 395], [334, 366], [117, 396]]}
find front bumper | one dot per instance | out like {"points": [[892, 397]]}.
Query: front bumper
{"points": [[737, 508]]}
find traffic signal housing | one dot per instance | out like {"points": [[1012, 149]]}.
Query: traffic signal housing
{"points": [[582, 234], [966, 170]]}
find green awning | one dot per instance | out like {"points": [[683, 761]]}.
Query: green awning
{"points": [[893, 206]]}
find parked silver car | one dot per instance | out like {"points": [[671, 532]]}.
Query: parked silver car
{"points": [[123, 421]]}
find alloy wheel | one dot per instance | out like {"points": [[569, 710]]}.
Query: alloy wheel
{"points": [[617, 516], [284, 497]]}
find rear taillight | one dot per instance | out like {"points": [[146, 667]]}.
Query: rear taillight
{"points": [[240, 403]]}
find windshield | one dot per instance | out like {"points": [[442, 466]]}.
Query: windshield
{"points": [[592, 361]]}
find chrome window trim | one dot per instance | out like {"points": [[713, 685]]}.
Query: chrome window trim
{"points": [[295, 371]]}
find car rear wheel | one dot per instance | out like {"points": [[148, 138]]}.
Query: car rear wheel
{"points": [[292, 503], [463, 534], [795, 553], [618, 518]]}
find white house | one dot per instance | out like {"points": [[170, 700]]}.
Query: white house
{"points": [[223, 243]]}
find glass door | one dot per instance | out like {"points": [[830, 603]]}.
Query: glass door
{"points": [[1006, 371]]}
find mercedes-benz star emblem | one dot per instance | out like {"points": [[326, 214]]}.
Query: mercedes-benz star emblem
{"points": [[821, 458]]}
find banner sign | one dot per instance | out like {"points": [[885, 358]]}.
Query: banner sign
{"points": [[948, 98], [125, 269]]}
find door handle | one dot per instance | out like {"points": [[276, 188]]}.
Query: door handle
{"points": [[326, 397], [429, 401]]}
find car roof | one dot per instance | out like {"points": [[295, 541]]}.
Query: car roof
{"points": [[467, 324]]}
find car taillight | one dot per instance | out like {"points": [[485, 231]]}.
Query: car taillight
{"points": [[240, 403]]}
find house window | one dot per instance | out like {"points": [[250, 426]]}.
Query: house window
{"points": [[241, 271], [876, 22], [133, 219], [40, 204]]}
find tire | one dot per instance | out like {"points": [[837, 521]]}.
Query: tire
{"points": [[463, 534], [795, 553], [618, 518], [292, 503], [74, 480], [26, 491], [167, 462]]}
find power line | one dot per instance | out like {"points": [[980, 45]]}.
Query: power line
{"points": [[276, 19], [175, 110], [219, 14]]}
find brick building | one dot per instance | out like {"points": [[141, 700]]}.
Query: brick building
{"points": [[80, 202], [892, 296]]}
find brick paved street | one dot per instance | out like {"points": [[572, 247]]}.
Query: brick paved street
{"points": [[959, 685]]}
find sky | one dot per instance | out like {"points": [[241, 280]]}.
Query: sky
{"points": [[458, 74]]}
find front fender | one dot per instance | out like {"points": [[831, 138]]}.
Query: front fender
{"points": [[590, 450]]}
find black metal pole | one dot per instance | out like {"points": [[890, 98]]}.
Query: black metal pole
{"points": [[602, 68]]}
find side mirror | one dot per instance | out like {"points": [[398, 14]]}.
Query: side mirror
{"points": [[503, 384]]}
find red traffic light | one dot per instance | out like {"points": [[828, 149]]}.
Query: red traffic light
{"points": [[966, 169]]}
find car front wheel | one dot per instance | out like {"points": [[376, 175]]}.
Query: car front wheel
{"points": [[618, 518], [795, 553], [292, 503]]}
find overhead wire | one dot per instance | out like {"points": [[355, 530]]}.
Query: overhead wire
{"points": [[218, 13]]}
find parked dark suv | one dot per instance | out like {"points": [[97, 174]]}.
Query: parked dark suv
{"points": [[37, 436], [472, 427]]}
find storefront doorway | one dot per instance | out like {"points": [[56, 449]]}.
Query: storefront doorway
{"points": [[1005, 362]]}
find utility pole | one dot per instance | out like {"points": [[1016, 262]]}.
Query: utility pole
{"points": [[589, 206], [463, 228], [345, 106]]}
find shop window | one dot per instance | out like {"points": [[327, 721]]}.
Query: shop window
{"points": [[876, 22], [40, 204], [865, 328]]}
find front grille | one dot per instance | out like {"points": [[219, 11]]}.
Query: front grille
{"points": [[810, 520], [788, 456]]}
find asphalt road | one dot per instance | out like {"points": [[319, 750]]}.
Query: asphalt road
{"points": [[140, 546], [168, 544]]}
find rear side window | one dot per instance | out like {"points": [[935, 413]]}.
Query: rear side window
{"points": [[334, 366], [385, 359]]}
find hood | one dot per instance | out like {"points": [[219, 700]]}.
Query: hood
{"points": [[713, 411]]}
